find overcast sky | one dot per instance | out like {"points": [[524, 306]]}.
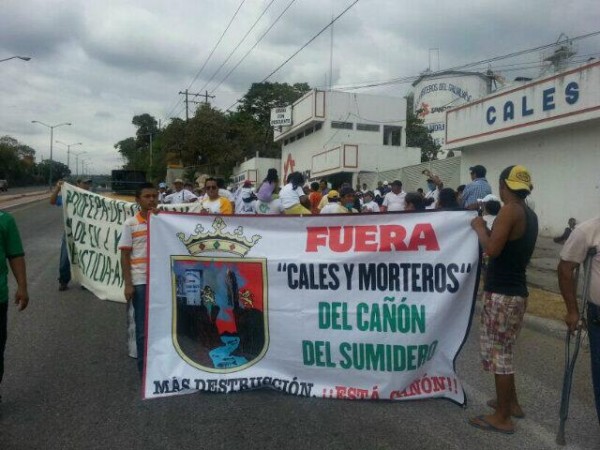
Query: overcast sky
{"points": [[99, 63]]}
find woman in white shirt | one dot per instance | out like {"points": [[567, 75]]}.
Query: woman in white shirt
{"points": [[292, 196]]}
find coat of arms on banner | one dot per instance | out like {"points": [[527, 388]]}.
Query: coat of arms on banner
{"points": [[219, 300]]}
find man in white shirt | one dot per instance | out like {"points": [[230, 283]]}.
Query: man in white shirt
{"points": [[394, 200], [434, 185], [180, 195], [583, 238]]}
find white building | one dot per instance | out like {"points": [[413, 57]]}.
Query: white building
{"points": [[254, 170], [338, 135], [552, 127], [436, 92]]}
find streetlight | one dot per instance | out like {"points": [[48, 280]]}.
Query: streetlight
{"points": [[52, 127], [77, 162], [68, 150], [24, 58]]}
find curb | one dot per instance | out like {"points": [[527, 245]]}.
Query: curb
{"points": [[8, 198]]}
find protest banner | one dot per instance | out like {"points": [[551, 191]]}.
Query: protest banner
{"points": [[370, 306], [93, 226]]}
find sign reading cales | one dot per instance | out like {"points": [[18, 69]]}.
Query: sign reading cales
{"points": [[376, 308]]}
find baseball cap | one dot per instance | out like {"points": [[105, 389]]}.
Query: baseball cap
{"points": [[385, 183], [519, 179], [178, 180], [333, 194], [162, 185]]}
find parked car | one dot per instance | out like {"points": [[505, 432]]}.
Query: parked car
{"points": [[3, 185]]}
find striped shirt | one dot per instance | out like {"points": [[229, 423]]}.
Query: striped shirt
{"points": [[135, 238]]}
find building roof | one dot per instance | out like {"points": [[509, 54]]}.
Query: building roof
{"points": [[445, 73]]}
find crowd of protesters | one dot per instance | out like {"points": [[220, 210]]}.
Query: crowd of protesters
{"points": [[296, 195], [507, 235]]}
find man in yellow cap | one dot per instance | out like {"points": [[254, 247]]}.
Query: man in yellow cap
{"points": [[509, 246]]}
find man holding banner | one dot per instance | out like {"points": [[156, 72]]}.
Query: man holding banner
{"points": [[134, 260], [509, 245]]}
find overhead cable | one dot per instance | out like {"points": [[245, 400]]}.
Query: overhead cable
{"points": [[210, 55], [237, 46], [253, 47], [335, 19]]}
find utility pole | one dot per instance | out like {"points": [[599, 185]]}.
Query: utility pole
{"points": [[206, 97], [187, 103]]}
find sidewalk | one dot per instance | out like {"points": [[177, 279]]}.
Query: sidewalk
{"points": [[541, 272], [9, 201]]}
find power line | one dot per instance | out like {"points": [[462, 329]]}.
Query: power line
{"points": [[238, 45], [253, 47], [407, 79], [217, 44], [335, 19], [210, 55]]}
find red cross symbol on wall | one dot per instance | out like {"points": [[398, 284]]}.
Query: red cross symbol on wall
{"points": [[288, 166]]}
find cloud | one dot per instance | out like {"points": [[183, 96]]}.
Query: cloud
{"points": [[97, 64]]}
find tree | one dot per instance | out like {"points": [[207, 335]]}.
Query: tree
{"points": [[59, 170], [146, 125], [129, 150], [136, 150], [17, 162], [174, 140], [208, 144], [258, 102], [417, 135]]}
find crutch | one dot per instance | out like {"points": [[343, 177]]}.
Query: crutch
{"points": [[571, 354]]}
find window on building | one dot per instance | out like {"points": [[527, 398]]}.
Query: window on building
{"points": [[286, 142], [318, 126], [342, 125], [367, 127], [308, 131], [292, 138], [392, 135], [299, 136]]}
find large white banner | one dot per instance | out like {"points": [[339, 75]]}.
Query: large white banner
{"points": [[373, 306], [93, 226]]}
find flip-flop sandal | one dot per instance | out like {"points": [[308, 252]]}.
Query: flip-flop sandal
{"points": [[492, 403], [482, 424]]}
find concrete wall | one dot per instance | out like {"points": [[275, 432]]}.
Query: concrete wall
{"points": [[564, 163]]}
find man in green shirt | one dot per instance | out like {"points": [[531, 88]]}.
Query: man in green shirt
{"points": [[11, 249]]}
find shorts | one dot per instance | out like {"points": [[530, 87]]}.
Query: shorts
{"points": [[501, 320]]}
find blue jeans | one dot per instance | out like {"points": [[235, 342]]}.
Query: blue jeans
{"points": [[139, 316], [64, 266], [593, 323]]}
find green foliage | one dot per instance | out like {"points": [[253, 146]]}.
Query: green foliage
{"points": [[59, 170], [211, 141], [256, 105], [208, 142], [17, 163], [417, 135]]}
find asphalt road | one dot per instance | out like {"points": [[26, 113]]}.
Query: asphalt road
{"points": [[69, 384]]}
